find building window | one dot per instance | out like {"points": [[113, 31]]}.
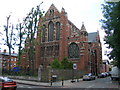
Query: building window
{"points": [[43, 33], [42, 51], [14, 64], [73, 51], [49, 51], [57, 31], [52, 12], [15, 59], [50, 31], [57, 50]]}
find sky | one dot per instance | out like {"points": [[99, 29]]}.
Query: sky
{"points": [[87, 11]]}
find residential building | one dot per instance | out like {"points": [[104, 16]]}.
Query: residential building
{"points": [[5, 57]]}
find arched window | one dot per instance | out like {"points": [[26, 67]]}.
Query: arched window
{"points": [[57, 31], [73, 51], [43, 33], [50, 31]]}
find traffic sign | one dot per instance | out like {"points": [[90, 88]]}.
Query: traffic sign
{"points": [[74, 66], [16, 69]]}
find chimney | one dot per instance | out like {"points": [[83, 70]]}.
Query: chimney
{"points": [[13, 52], [4, 50]]}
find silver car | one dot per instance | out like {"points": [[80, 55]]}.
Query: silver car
{"points": [[89, 76]]}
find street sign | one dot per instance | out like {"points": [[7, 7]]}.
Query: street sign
{"points": [[16, 69], [74, 66]]}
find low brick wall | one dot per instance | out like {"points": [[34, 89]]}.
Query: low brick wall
{"points": [[46, 75], [61, 74]]}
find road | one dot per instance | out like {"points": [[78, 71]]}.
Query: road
{"points": [[98, 83], [28, 86]]}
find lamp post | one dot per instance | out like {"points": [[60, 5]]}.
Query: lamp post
{"points": [[51, 76]]}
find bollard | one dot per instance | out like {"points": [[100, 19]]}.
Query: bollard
{"points": [[51, 82], [62, 83]]}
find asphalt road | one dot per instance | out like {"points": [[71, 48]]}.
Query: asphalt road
{"points": [[28, 86], [98, 83]]}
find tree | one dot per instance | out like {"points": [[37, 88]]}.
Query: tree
{"points": [[31, 26], [21, 39], [114, 63], [111, 25], [0, 39], [56, 64], [66, 64], [10, 39]]}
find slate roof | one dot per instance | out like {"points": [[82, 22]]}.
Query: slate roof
{"points": [[7, 54], [92, 37]]}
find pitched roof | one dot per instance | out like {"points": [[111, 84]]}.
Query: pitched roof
{"points": [[92, 37], [53, 7], [7, 54]]}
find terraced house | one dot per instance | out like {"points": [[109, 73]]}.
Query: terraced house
{"points": [[4, 58], [59, 38]]}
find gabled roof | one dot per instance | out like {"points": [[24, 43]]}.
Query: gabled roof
{"points": [[92, 37], [52, 7]]}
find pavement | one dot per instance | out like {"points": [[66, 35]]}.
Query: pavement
{"points": [[54, 84]]}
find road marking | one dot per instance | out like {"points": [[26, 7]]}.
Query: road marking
{"points": [[90, 86]]}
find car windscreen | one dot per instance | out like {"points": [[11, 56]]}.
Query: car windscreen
{"points": [[5, 80]]}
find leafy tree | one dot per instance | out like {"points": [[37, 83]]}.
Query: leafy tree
{"points": [[111, 25], [114, 62], [10, 39], [66, 64], [31, 26], [56, 64], [21, 39]]}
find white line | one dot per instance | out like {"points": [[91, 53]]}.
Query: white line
{"points": [[90, 86]]}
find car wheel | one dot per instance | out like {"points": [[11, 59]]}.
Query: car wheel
{"points": [[14, 88], [111, 78]]}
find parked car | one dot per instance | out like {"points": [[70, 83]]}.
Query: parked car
{"points": [[109, 73], [115, 73], [89, 76], [6, 83], [101, 75], [106, 74]]}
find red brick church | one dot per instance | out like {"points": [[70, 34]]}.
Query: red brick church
{"points": [[59, 38]]}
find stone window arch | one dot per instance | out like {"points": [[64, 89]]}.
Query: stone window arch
{"points": [[43, 33], [73, 51], [57, 30], [50, 31]]}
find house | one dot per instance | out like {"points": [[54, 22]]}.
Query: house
{"points": [[5, 57]]}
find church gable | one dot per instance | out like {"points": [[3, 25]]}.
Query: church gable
{"points": [[52, 11]]}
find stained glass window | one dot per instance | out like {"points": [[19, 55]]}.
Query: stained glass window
{"points": [[73, 51], [43, 33], [50, 31], [57, 31]]}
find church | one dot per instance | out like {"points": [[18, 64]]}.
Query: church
{"points": [[58, 38]]}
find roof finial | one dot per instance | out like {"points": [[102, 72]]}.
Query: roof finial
{"points": [[82, 22], [83, 27]]}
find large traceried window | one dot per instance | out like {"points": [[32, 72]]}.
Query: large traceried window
{"points": [[73, 51], [57, 31], [43, 33], [50, 31]]}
